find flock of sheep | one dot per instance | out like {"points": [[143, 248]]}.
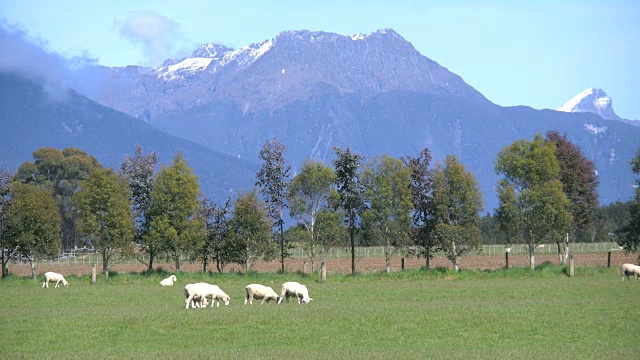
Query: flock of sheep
{"points": [[197, 295]]}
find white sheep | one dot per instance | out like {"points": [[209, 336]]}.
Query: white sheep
{"points": [[204, 290], [257, 291], [630, 269], [51, 276], [168, 281], [296, 290]]}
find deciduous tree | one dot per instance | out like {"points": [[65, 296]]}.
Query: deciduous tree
{"points": [[60, 171], [422, 197], [347, 167], [456, 204], [33, 223], [218, 246], [6, 252], [177, 224], [579, 183], [531, 200], [272, 181], [250, 229], [389, 205], [308, 194], [630, 234], [139, 171], [105, 216]]}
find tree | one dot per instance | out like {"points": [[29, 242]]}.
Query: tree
{"points": [[421, 193], [6, 254], [33, 224], [579, 183], [177, 225], [139, 172], [351, 192], [218, 246], [389, 205], [250, 229], [330, 231], [629, 235], [272, 181], [456, 204], [60, 171], [105, 215], [308, 195], [532, 203]]}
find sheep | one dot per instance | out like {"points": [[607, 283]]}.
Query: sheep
{"points": [[199, 302], [257, 291], [51, 276], [628, 269], [168, 281], [204, 290], [296, 290]]}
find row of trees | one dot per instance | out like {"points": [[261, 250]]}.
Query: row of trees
{"points": [[547, 191]]}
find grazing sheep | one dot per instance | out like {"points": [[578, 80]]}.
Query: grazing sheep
{"points": [[204, 290], [294, 289], [51, 276], [257, 291], [197, 301], [630, 269], [168, 281]]}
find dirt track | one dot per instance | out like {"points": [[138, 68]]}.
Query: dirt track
{"points": [[343, 265]]}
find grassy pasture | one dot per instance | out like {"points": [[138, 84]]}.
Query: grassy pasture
{"points": [[518, 314]]}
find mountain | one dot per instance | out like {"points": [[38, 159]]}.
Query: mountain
{"points": [[596, 101], [591, 100], [373, 92], [35, 114]]}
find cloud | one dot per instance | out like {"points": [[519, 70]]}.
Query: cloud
{"points": [[29, 56], [159, 35]]}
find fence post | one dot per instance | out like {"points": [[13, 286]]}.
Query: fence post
{"points": [[402, 264], [506, 258], [93, 274], [571, 273], [609, 258]]}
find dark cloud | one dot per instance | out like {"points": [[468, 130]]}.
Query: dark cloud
{"points": [[29, 56], [159, 35]]}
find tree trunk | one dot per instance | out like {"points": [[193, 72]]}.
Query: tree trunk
{"points": [[205, 263], [353, 249], [559, 253], [282, 254], [323, 268], [151, 255], [2, 263], [313, 259], [454, 256], [387, 257], [33, 269], [566, 248], [532, 260], [177, 261], [105, 263], [428, 255]]}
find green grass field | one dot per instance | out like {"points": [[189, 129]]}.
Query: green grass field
{"points": [[415, 314]]}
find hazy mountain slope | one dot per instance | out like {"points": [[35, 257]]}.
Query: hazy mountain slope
{"points": [[35, 115]]}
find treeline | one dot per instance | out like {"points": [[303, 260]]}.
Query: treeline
{"points": [[547, 193]]}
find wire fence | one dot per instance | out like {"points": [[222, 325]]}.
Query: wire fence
{"points": [[89, 256]]}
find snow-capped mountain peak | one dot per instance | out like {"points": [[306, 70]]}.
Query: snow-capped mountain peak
{"points": [[591, 100], [211, 50]]}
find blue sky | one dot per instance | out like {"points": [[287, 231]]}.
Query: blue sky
{"points": [[536, 53]]}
